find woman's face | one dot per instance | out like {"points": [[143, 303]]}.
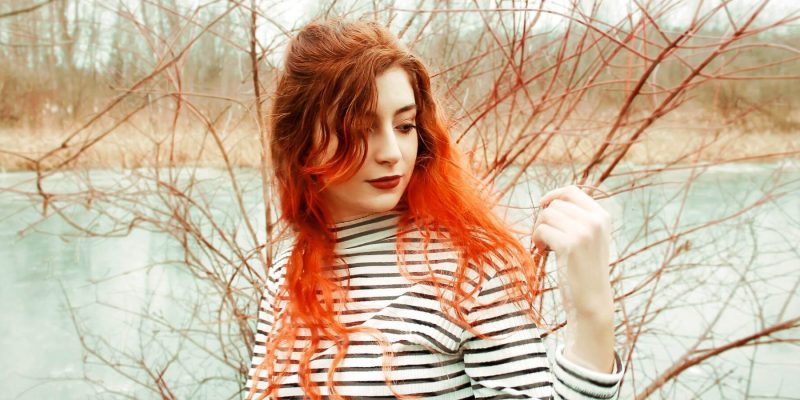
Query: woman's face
{"points": [[391, 151]]}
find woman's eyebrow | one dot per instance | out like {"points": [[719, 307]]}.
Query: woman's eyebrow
{"points": [[405, 108], [400, 110]]}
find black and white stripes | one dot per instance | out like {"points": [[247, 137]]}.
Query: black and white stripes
{"points": [[433, 356]]}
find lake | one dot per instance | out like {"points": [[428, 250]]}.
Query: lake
{"points": [[117, 287]]}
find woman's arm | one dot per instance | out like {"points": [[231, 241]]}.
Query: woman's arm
{"points": [[578, 230], [513, 360], [263, 327], [266, 320]]}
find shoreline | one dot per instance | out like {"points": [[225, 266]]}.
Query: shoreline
{"points": [[658, 147]]}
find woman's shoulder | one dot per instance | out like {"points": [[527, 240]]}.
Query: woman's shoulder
{"points": [[281, 251]]}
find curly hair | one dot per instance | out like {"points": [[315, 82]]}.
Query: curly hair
{"points": [[328, 87]]}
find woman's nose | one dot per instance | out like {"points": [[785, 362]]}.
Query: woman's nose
{"points": [[387, 147]]}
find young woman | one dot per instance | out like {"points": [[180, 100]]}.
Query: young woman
{"points": [[399, 281]]}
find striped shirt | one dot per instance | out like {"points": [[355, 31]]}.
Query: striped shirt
{"points": [[433, 356]]}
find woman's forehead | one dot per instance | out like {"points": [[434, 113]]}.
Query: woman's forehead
{"points": [[395, 94]]}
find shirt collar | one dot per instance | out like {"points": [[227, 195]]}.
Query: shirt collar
{"points": [[367, 229]]}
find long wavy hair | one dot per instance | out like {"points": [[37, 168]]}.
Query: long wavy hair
{"points": [[327, 88]]}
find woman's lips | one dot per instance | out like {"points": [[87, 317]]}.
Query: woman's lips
{"points": [[386, 184]]}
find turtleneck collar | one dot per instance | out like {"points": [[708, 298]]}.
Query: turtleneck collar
{"points": [[366, 229]]}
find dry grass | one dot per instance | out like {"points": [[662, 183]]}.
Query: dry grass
{"points": [[126, 149], [668, 145]]}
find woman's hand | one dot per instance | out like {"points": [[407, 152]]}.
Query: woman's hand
{"points": [[578, 229]]}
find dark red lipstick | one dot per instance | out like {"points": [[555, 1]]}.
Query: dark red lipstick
{"points": [[386, 182]]}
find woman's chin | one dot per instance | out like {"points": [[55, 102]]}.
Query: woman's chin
{"points": [[383, 203]]}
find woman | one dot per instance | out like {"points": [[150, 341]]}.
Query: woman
{"points": [[399, 281]]}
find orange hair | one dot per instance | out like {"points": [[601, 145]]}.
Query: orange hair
{"points": [[328, 87]]}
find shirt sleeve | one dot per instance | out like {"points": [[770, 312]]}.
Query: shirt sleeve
{"points": [[512, 362], [266, 319]]}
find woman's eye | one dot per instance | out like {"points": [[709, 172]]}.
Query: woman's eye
{"points": [[406, 128]]}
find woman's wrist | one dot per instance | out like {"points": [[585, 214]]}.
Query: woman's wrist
{"points": [[591, 341]]}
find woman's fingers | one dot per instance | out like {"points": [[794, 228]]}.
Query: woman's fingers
{"points": [[553, 227], [546, 237], [564, 215], [574, 195]]}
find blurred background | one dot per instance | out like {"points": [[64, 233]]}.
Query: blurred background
{"points": [[136, 207]]}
